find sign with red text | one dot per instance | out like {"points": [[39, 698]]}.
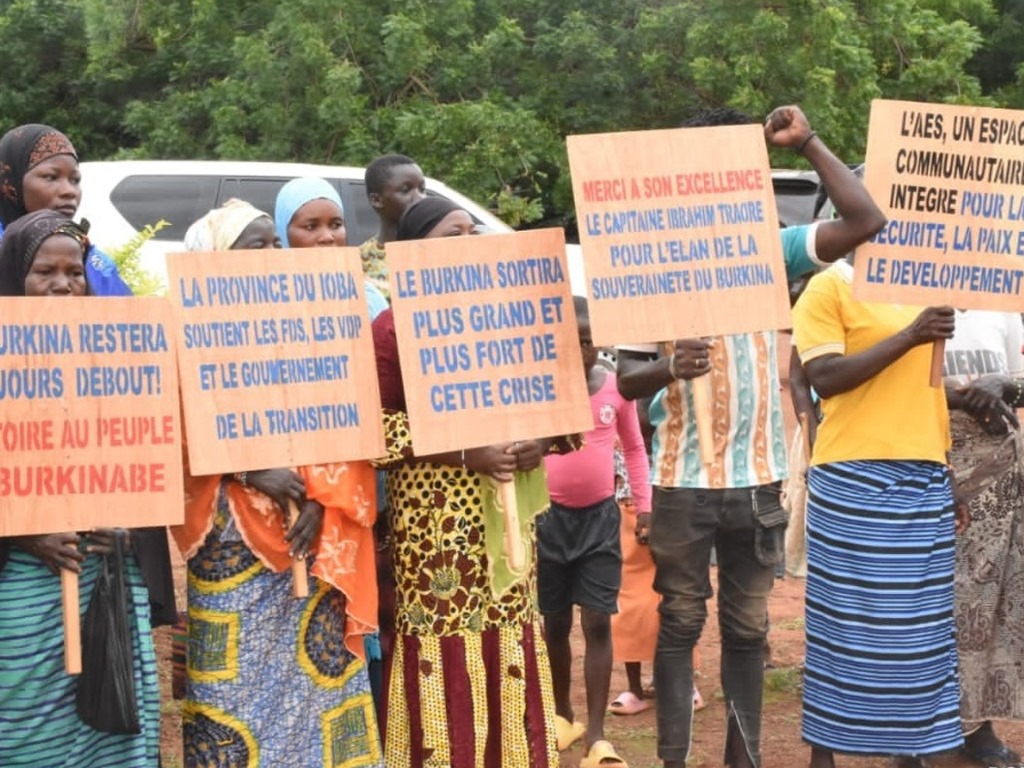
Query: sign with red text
{"points": [[276, 358], [950, 180], [679, 232], [487, 340], [89, 415]]}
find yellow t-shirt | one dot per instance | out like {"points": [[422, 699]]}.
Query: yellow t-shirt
{"points": [[896, 414]]}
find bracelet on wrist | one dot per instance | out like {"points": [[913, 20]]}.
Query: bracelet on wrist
{"points": [[803, 144]]}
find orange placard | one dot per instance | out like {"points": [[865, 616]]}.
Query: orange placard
{"points": [[950, 179], [276, 358], [679, 232], [89, 415], [487, 340]]}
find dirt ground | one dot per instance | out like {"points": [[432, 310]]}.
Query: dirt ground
{"points": [[635, 736]]}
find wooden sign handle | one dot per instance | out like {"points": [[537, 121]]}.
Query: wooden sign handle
{"points": [[513, 536], [300, 574], [72, 622], [701, 388], [938, 355]]}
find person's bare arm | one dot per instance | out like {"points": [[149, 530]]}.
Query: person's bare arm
{"points": [[800, 391], [638, 376], [834, 374], [859, 218]]}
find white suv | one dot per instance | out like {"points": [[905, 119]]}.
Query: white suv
{"points": [[120, 197]]}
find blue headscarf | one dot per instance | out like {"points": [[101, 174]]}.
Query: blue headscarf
{"points": [[295, 194]]}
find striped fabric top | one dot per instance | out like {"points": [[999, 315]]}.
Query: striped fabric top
{"points": [[746, 410], [750, 438]]}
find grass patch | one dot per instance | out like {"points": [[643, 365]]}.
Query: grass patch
{"points": [[632, 733], [796, 622], [782, 683]]}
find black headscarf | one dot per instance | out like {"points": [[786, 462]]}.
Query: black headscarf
{"points": [[423, 215], [21, 149], [23, 238]]}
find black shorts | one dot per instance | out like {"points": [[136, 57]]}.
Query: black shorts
{"points": [[579, 558]]}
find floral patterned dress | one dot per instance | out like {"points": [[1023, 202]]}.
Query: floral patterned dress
{"points": [[470, 679]]}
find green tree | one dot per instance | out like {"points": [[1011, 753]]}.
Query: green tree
{"points": [[481, 92]]}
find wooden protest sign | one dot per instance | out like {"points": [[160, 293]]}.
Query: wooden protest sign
{"points": [[488, 345], [276, 358], [89, 424], [680, 239], [950, 180], [71, 614], [487, 340], [89, 415], [679, 232]]}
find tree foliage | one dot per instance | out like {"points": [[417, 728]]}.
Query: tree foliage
{"points": [[480, 92]]}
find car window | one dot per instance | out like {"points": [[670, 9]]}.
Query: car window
{"points": [[795, 199], [361, 220], [260, 192], [145, 199]]}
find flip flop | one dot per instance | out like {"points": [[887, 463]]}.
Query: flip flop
{"points": [[698, 700], [602, 755], [567, 733], [628, 703]]}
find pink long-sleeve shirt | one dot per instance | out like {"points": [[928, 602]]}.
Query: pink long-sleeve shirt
{"points": [[585, 477]]}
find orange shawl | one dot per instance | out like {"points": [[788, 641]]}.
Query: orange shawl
{"points": [[345, 553]]}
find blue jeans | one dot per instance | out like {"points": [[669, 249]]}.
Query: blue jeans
{"points": [[685, 524]]}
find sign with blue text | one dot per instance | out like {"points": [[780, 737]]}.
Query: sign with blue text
{"points": [[950, 180], [276, 358], [487, 340], [679, 232]]}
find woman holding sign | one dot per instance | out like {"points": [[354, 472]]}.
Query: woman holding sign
{"points": [[881, 667], [273, 679], [43, 254], [309, 214], [470, 681], [39, 171]]}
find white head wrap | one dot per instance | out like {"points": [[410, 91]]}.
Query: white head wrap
{"points": [[220, 228]]}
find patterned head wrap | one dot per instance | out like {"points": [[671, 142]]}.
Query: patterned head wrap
{"points": [[295, 194], [220, 228], [22, 240], [423, 215], [21, 149]]}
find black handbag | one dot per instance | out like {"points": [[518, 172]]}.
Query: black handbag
{"points": [[105, 698]]}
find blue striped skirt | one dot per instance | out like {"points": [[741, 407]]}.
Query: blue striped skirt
{"points": [[39, 725], [880, 674]]}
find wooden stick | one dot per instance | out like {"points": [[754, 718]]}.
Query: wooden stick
{"points": [[805, 430], [938, 356], [300, 574], [513, 536], [72, 622], [702, 413]]}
